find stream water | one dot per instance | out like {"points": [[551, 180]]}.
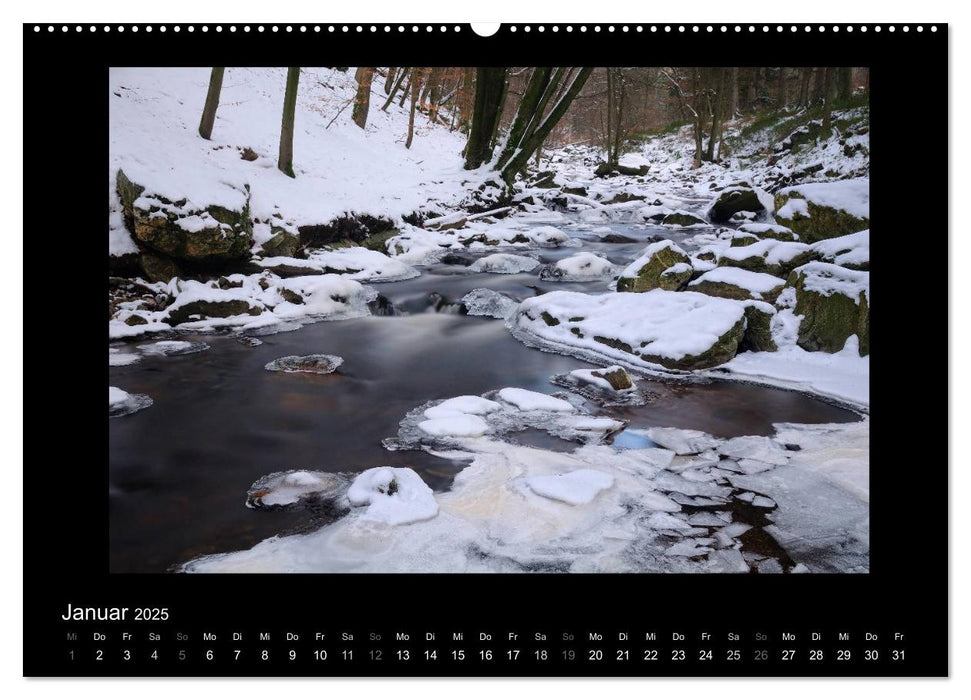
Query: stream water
{"points": [[179, 471]]}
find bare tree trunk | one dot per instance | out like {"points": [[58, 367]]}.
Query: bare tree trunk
{"points": [[844, 84], [539, 134], [828, 76], [408, 86], [415, 90], [733, 103], [807, 76], [362, 101], [820, 85], [212, 102], [402, 74], [782, 97], [389, 80], [502, 106], [489, 89], [285, 162], [715, 101]]}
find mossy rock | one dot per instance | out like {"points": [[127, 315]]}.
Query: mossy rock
{"points": [[618, 378], [681, 219], [733, 200], [578, 191], [731, 291], [282, 244], [228, 238], [379, 241], [549, 319], [822, 222], [652, 273], [136, 320], [608, 170], [740, 240], [829, 320], [210, 309], [624, 198], [758, 329], [158, 268], [291, 296], [724, 349]]}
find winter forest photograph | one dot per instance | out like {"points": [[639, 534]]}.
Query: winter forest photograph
{"points": [[489, 319]]}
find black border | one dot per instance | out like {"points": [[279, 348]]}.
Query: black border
{"points": [[65, 509]]}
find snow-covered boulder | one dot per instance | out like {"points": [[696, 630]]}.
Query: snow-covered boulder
{"points": [[736, 283], [393, 495], [682, 219], [662, 265], [677, 330], [769, 256], [852, 251], [734, 199], [821, 210], [548, 237], [834, 303], [779, 233], [579, 267], [758, 327], [199, 232], [613, 378]]}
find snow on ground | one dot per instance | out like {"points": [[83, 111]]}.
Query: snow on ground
{"points": [[153, 136]]}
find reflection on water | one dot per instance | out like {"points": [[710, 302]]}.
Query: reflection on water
{"points": [[179, 472]]}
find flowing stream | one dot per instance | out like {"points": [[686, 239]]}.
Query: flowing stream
{"points": [[179, 471]]}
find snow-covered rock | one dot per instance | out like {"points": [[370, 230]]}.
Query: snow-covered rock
{"points": [[851, 251], [769, 256], [121, 403], [393, 495], [662, 265], [579, 267], [821, 210], [834, 304], [736, 283], [676, 330]]}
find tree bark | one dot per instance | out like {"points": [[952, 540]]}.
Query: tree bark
{"points": [[285, 161], [415, 90], [828, 75], [844, 84], [389, 80], [537, 83], [362, 101], [733, 101], [489, 87], [807, 76], [212, 103]]}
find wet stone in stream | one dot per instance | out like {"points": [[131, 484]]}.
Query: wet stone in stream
{"points": [[309, 364]]}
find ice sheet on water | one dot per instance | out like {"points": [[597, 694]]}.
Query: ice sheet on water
{"points": [[117, 358], [170, 348], [756, 447], [683, 442], [487, 302], [121, 403], [574, 488]]}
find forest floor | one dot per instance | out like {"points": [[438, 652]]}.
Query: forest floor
{"points": [[481, 396]]}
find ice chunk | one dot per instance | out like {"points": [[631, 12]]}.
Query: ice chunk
{"points": [[687, 548], [575, 488], [393, 495], [310, 364], [683, 442], [754, 447], [533, 401], [285, 488], [486, 302], [504, 264], [121, 403], [763, 502]]}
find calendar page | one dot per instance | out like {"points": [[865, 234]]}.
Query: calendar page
{"points": [[487, 367]]}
